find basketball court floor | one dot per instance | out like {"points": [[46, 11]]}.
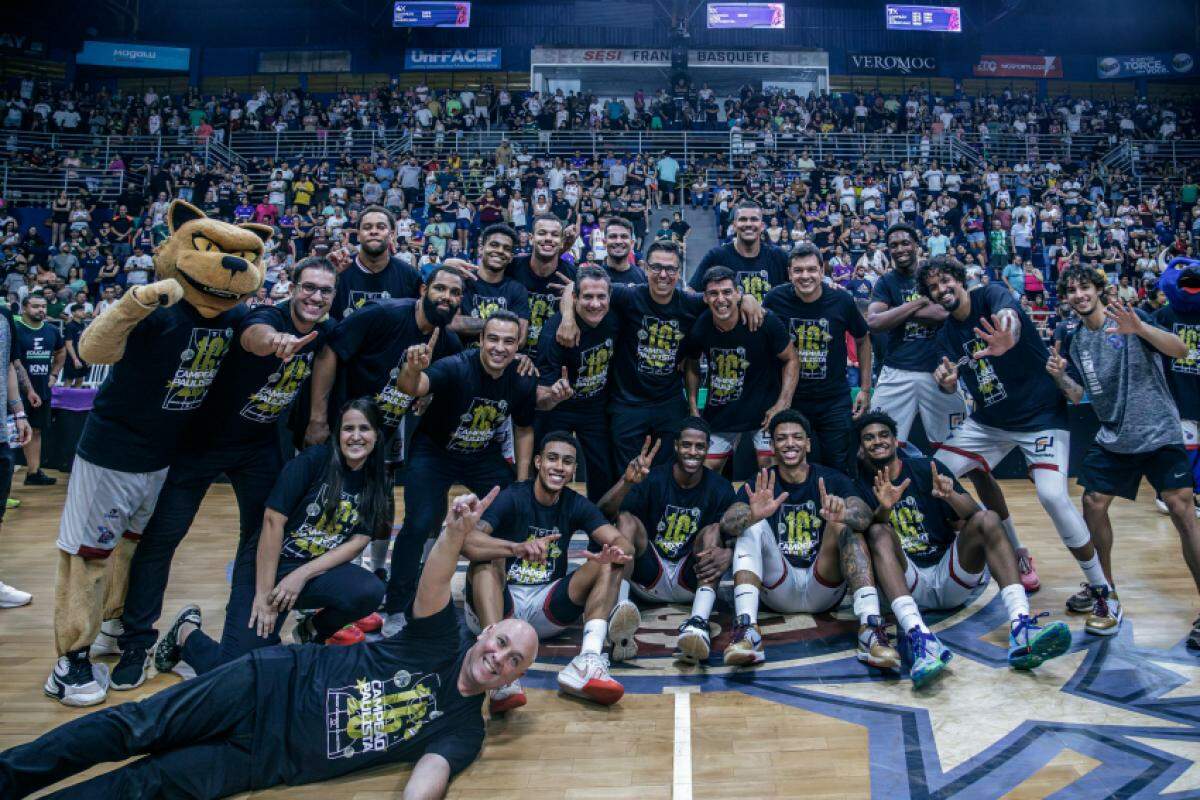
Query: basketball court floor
{"points": [[1115, 717]]}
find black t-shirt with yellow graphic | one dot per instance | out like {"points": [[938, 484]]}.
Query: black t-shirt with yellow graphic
{"points": [[587, 363], [358, 286], [171, 359], [925, 524], [300, 494], [472, 406], [517, 516], [673, 515], [543, 300], [818, 332], [321, 712], [482, 299], [1183, 374], [798, 526], [743, 370], [754, 276], [910, 344], [647, 360]]}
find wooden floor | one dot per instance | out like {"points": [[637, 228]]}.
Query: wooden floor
{"points": [[805, 725]]}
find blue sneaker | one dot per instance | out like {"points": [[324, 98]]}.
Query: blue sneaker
{"points": [[927, 656], [1029, 644]]}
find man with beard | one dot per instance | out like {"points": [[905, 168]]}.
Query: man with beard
{"points": [[990, 343], [492, 289], [618, 244], [800, 547], [670, 514], [759, 266], [932, 546], [586, 364], [900, 309], [543, 273], [374, 273], [42, 353], [818, 318], [1114, 355], [270, 361], [518, 554]]}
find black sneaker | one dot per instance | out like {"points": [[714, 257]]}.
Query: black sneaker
{"points": [[1081, 601], [1193, 640], [39, 478], [130, 671], [75, 681], [168, 652]]}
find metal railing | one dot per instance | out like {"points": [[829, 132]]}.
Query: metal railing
{"points": [[313, 144], [31, 186], [103, 150], [1015, 148]]}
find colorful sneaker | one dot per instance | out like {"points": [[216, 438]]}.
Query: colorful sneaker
{"points": [[1106, 616], [76, 681], [1193, 640], [506, 698], [12, 502], [623, 623], [745, 646], [1030, 644], [169, 652], [875, 646], [587, 676], [1029, 576], [370, 623], [346, 636], [130, 672], [107, 640], [694, 642], [927, 655], [1081, 601], [12, 597]]}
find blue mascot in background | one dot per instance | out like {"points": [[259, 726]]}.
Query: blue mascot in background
{"points": [[1180, 281]]}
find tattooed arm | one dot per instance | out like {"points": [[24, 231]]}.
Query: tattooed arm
{"points": [[735, 520]]}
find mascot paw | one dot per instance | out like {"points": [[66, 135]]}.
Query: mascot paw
{"points": [[162, 293]]}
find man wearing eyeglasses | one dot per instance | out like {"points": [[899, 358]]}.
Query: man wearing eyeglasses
{"points": [[269, 362]]}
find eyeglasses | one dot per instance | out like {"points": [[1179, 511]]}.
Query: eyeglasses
{"points": [[666, 269], [312, 288]]}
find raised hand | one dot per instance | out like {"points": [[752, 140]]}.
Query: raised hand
{"points": [[341, 258], [762, 500], [1056, 365], [420, 356], [833, 508], [888, 493], [639, 467], [562, 390], [525, 366], [608, 555], [536, 549], [946, 373], [465, 511], [1122, 319], [999, 334], [163, 294], [286, 346], [558, 282], [943, 485]]}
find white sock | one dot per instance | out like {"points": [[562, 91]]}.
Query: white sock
{"points": [[907, 614], [702, 603], [623, 592], [1010, 530], [1015, 601], [1093, 572], [745, 601], [866, 604], [595, 631], [379, 551]]}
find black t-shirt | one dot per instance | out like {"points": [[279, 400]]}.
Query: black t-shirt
{"points": [[910, 344], [1013, 392], [472, 406], [755, 276], [356, 286], [252, 392], [925, 524], [321, 712], [482, 299], [71, 333], [627, 277], [151, 394], [673, 515], [7, 315], [543, 301], [798, 525], [36, 348], [650, 344], [517, 516], [743, 370], [1183, 374], [818, 331], [587, 363], [300, 493]]}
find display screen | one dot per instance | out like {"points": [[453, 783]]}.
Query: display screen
{"points": [[746, 15], [431, 15], [947, 19]]}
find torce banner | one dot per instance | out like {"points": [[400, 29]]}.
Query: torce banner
{"points": [[891, 64], [1147, 65], [993, 66]]}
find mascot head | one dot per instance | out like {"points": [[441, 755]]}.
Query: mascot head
{"points": [[1181, 282], [217, 264]]}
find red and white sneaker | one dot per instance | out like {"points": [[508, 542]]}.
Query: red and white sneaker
{"points": [[370, 623], [587, 676], [1029, 576], [506, 698], [346, 636]]}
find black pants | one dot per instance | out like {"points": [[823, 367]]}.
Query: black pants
{"points": [[252, 471], [631, 425], [591, 428], [6, 476], [196, 738], [344, 594], [832, 429], [429, 473]]}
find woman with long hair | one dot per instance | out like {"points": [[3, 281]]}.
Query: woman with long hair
{"points": [[328, 503]]}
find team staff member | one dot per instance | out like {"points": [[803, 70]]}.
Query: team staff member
{"points": [[373, 273], [492, 289], [10, 400], [618, 245], [296, 715], [586, 364], [328, 502], [544, 273], [40, 349], [746, 370], [818, 318], [758, 265], [269, 363]]}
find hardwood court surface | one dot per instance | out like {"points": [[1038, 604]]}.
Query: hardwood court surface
{"points": [[1112, 718]]}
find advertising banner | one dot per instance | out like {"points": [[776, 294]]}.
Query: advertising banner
{"points": [[1147, 65], [649, 57], [768, 16], [944, 19], [431, 15], [992, 66], [891, 64], [137, 56], [452, 59]]}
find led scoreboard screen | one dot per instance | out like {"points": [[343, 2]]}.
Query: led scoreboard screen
{"points": [[746, 15], [431, 15], [945, 19]]}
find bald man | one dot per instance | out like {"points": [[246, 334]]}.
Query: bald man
{"points": [[300, 714]]}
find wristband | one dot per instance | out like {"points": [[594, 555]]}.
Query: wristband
{"points": [[20, 415]]}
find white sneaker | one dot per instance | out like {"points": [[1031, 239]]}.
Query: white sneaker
{"points": [[623, 623], [1161, 506], [12, 597], [106, 640], [506, 698], [393, 624], [695, 642], [587, 676], [77, 681]]}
